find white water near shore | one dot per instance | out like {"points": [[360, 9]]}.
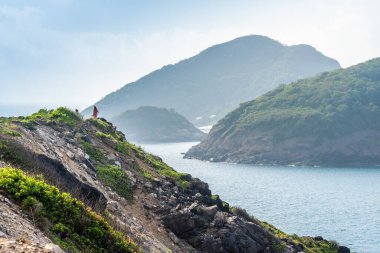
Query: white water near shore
{"points": [[339, 204]]}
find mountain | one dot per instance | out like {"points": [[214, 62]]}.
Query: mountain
{"points": [[331, 120], [204, 88], [74, 185], [152, 124]]}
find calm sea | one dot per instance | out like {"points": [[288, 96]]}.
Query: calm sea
{"points": [[341, 204]]}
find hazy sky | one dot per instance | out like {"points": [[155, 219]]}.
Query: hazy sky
{"points": [[73, 52]]}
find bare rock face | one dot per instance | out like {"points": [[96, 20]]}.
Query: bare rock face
{"points": [[18, 233]]}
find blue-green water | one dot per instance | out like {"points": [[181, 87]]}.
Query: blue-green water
{"points": [[341, 204]]}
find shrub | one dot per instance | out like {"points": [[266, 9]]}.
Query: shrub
{"points": [[8, 154], [6, 130], [94, 153], [242, 213], [116, 178], [166, 170], [65, 115], [75, 227]]}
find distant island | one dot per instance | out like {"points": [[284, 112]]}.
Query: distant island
{"points": [[204, 88], [329, 120], [152, 124]]}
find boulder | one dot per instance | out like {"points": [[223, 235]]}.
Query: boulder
{"points": [[199, 186], [343, 249], [180, 223], [207, 212]]}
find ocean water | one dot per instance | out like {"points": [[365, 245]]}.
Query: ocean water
{"points": [[341, 204]]}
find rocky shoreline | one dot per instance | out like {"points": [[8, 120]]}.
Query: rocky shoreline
{"points": [[163, 211]]}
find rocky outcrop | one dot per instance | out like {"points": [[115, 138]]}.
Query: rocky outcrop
{"points": [[164, 211], [18, 234]]}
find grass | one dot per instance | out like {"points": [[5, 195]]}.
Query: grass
{"points": [[110, 175], [75, 227], [124, 147], [94, 153], [161, 167], [116, 178], [107, 130], [7, 128], [9, 155], [61, 114], [166, 170], [309, 243]]}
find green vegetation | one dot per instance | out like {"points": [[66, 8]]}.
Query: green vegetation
{"points": [[122, 147], [71, 224], [114, 177], [107, 130], [94, 153], [8, 154], [110, 175], [156, 163], [128, 148], [329, 105], [65, 115], [62, 115], [8, 130], [310, 245], [166, 170], [305, 122]]}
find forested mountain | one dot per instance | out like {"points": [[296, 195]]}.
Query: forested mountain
{"points": [[331, 119], [152, 124], [204, 88]]}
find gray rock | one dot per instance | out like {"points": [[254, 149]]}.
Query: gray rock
{"points": [[70, 154], [199, 186], [343, 249], [207, 212], [148, 185], [53, 248], [180, 223], [2, 235], [111, 156], [173, 237]]}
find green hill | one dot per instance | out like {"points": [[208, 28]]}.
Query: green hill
{"points": [[204, 88], [331, 119], [152, 124]]}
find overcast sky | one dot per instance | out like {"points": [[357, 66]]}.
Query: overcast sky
{"points": [[74, 52]]}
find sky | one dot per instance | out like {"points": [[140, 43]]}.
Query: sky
{"points": [[74, 52]]}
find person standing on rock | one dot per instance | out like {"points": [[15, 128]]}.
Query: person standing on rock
{"points": [[95, 112]]}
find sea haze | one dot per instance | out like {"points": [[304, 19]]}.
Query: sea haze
{"points": [[339, 204]]}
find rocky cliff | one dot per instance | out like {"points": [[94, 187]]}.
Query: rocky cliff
{"points": [[116, 191]]}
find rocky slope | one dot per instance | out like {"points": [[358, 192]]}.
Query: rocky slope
{"points": [[152, 124], [329, 120], [19, 234], [157, 208], [204, 88]]}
